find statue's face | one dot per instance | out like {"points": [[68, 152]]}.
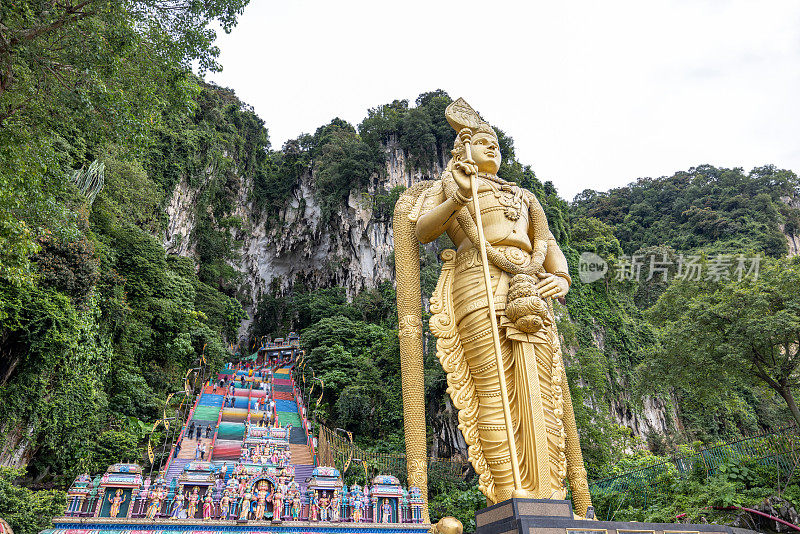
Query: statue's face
{"points": [[486, 153]]}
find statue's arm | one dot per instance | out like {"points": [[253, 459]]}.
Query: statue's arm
{"points": [[556, 284], [538, 230], [438, 212], [555, 262]]}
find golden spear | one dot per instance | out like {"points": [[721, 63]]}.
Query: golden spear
{"points": [[456, 113]]}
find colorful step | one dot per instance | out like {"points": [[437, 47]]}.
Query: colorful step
{"points": [[234, 415], [210, 399], [206, 413], [286, 406], [288, 418], [230, 431]]}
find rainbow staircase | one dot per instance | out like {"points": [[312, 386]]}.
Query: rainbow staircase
{"points": [[225, 427]]}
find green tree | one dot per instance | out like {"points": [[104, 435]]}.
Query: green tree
{"points": [[718, 336], [28, 512], [78, 75], [343, 162], [704, 206]]}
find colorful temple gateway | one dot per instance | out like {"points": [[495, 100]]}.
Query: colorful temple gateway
{"points": [[244, 461]]}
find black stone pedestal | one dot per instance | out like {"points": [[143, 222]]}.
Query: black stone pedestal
{"points": [[543, 516]]}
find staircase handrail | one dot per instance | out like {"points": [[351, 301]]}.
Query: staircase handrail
{"points": [[183, 430], [249, 395], [299, 401]]}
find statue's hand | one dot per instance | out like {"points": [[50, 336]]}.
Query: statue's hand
{"points": [[461, 173], [553, 286]]}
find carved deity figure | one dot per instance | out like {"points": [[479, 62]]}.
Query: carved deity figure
{"points": [[208, 505], [358, 508], [313, 506], [277, 505], [386, 511], [335, 504], [177, 506], [116, 501], [156, 496], [296, 507], [191, 510], [244, 510], [224, 505], [323, 507], [498, 344], [261, 500]]}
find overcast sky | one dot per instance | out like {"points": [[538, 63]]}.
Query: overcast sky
{"points": [[594, 93]]}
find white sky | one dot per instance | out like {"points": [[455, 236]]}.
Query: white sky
{"points": [[594, 93]]}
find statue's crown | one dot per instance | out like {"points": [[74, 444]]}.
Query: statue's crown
{"points": [[460, 115]]}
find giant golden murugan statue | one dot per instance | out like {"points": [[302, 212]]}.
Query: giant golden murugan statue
{"points": [[502, 354]]}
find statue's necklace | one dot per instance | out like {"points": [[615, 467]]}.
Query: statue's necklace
{"points": [[508, 195]]}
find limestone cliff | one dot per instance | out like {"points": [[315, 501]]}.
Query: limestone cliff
{"points": [[353, 251], [792, 238]]}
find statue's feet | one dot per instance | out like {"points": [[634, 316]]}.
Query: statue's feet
{"points": [[522, 494]]}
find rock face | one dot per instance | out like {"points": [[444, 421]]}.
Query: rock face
{"points": [[776, 508], [792, 239], [352, 251], [182, 219]]}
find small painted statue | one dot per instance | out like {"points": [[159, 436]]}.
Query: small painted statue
{"points": [[313, 506], [208, 505], [386, 511], [156, 496], [261, 501], [244, 511], [358, 508], [335, 504], [191, 510], [116, 501], [177, 506], [277, 505], [224, 505], [323, 507], [296, 507]]}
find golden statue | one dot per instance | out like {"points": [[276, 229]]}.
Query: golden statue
{"points": [[502, 354]]}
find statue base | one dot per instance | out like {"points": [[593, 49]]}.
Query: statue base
{"points": [[545, 516]]}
